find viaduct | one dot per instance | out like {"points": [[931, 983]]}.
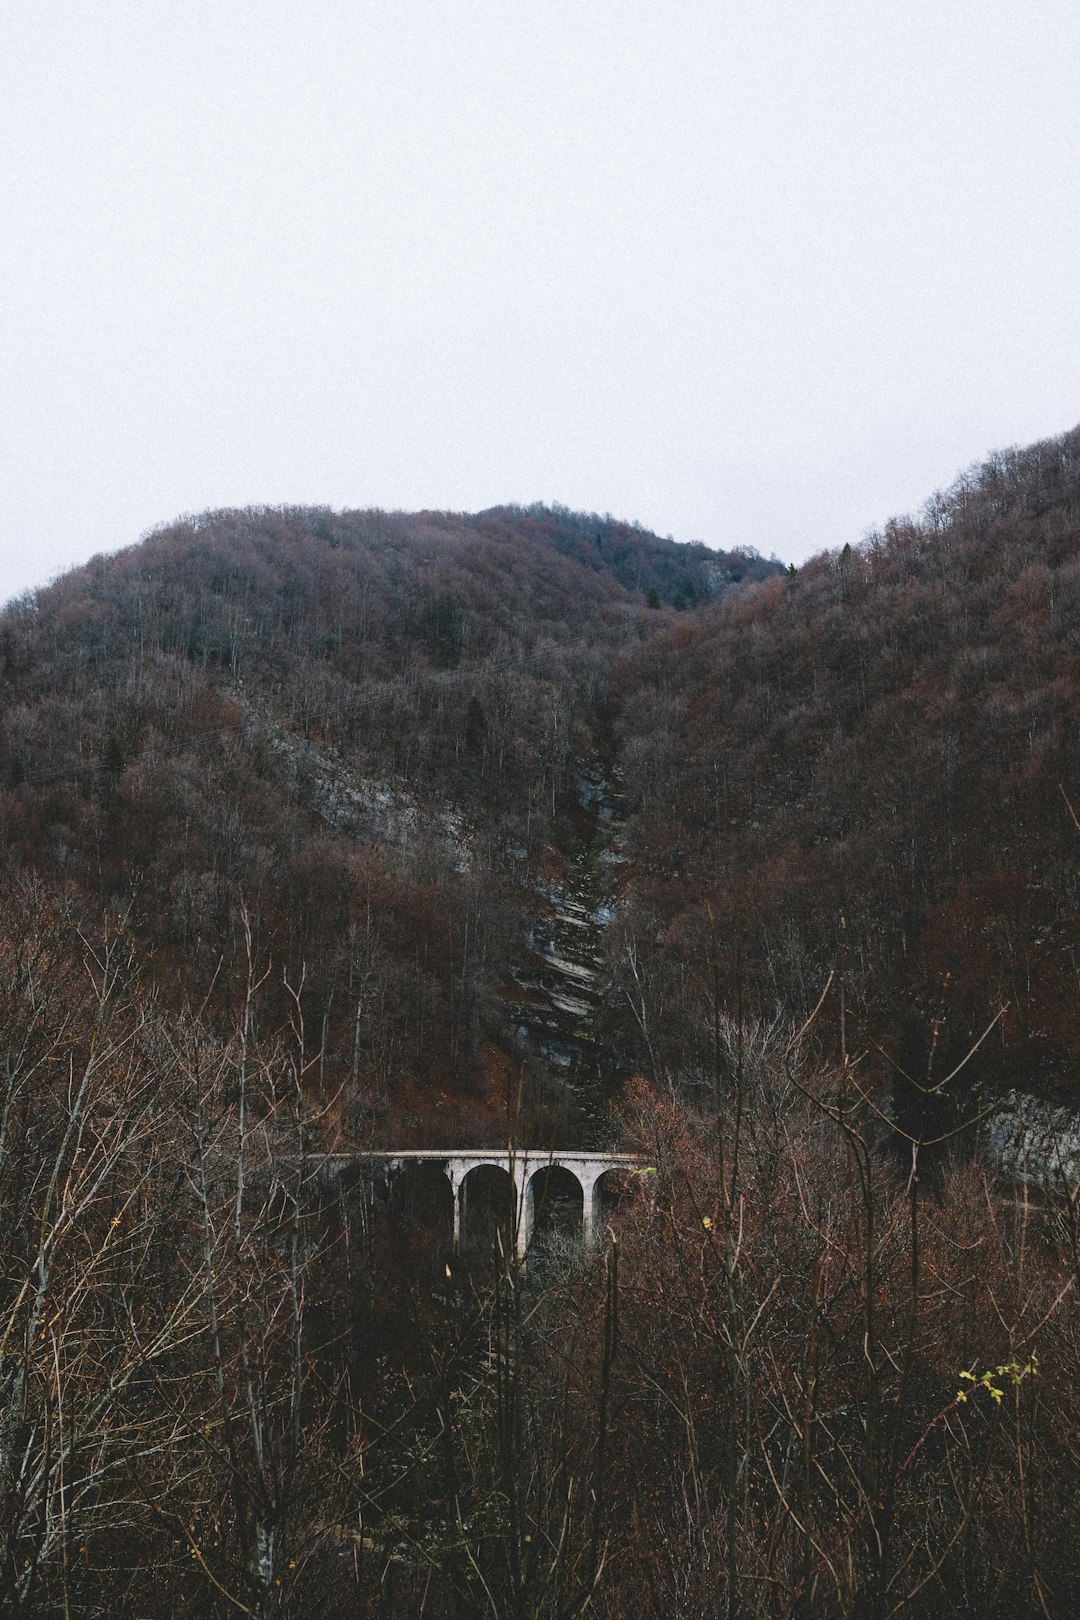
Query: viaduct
{"points": [[528, 1175]]}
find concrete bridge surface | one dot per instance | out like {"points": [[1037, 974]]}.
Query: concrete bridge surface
{"points": [[524, 1167]]}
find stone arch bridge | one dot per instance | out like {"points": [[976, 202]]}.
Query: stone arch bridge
{"points": [[528, 1174]]}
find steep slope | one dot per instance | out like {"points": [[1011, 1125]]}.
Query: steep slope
{"points": [[360, 731], [870, 765]]}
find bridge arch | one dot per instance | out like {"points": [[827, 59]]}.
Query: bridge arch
{"points": [[488, 1205], [554, 1201], [611, 1186], [421, 1193]]}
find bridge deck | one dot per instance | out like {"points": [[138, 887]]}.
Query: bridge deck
{"points": [[536, 1156]]}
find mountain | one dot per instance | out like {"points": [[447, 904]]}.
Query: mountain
{"points": [[358, 738], [362, 737]]}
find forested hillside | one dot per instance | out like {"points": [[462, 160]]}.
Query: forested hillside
{"points": [[368, 730], [874, 764], [363, 731]]}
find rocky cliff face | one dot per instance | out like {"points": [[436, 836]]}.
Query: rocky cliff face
{"points": [[562, 987], [1032, 1141]]}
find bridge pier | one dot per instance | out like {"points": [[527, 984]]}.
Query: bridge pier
{"points": [[457, 1193], [524, 1215], [589, 1201]]}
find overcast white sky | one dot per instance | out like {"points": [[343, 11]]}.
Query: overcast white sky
{"points": [[750, 271]]}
